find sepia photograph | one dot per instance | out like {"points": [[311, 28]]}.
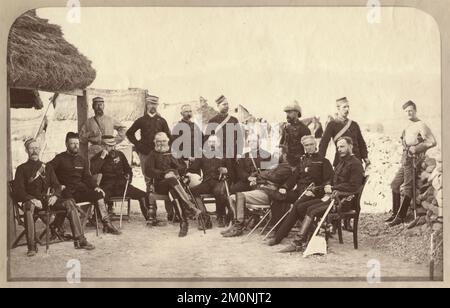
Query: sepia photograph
{"points": [[156, 144]]}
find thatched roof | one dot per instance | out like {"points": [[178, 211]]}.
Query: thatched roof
{"points": [[40, 58]]}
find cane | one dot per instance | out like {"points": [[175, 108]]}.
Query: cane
{"points": [[287, 213], [123, 201]]}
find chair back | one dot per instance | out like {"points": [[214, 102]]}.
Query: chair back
{"points": [[358, 199], [18, 217]]}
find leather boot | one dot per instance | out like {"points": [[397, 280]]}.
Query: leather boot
{"points": [[31, 234], [401, 215], [185, 198], [82, 243], [299, 245], [184, 227], [74, 220], [143, 204], [395, 206], [236, 230], [152, 221], [206, 220]]}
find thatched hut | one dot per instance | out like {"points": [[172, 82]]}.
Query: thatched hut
{"points": [[40, 59]]}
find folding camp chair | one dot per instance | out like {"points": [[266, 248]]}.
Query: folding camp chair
{"points": [[113, 201], [261, 211], [19, 219]]}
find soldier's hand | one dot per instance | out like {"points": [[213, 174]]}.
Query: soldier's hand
{"points": [[127, 177], [169, 175], [309, 193], [52, 200], [413, 150], [328, 190], [37, 203], [98, 189], [223, 170], [282, 191], [104, 154]]}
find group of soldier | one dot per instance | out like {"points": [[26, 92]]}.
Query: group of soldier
{"points": [[211, 161]]}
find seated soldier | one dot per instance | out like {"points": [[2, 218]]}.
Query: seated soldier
{"points": [[312, 169], [36, 186], [255, 160], [348, 177], [116, 171], [214, 170], [164, 170], [73, 172], [267, 185]]}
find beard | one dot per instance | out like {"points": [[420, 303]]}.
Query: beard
{"points": [[162, 148], [73, 150], [99, 112]]}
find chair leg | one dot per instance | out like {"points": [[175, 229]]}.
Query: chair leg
{"points": [[18, 239], [355, 232], [129, 209], [96, 221], [269, 218], [341, 239]]}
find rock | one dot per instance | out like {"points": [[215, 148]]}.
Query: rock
{"points": [[424, 176], [430, 162], [425, 228], [430, 169], [437, 182]]}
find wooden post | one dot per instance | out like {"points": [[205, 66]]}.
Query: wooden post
{"points": [[82, 115], [11, 234]]}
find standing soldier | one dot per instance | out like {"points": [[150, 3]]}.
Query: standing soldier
{"points": [[342, 126], [417, 138], [149, 125], [116, 172], [294, 131], [187, 136], [73, 172], [224, 126], [98, 126], [36, 185]]}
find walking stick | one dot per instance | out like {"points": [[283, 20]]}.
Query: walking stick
{"points": [[287, 213], [123, 201], [414, 185]]}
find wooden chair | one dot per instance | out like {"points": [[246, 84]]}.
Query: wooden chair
{"points": [[19, 219], [349, 215], [118, 200]]}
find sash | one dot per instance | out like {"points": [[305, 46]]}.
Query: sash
{"points": [[342, 131], [99, 127], [221, 125]]}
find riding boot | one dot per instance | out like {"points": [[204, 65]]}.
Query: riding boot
{"points": [[401, 215], [299, 245], [152, 221], [82, 243], [395, 206], [74, 220], [238, 209], [143, 204], [184, 224], [108, 227], [185, 198], [31, 234]]}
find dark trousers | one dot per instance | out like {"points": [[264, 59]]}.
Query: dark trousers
{"points": [[216, 188], [116, 189], [64, 205], [298, 212], [241, 186], [90, 195], [164, 187]]}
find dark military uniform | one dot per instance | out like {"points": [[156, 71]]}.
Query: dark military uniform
{"points": [[196, 139], [149, 127], [158, 165], [32, 181], [246, 168], [73, 172], [211, 183], [236, 144], [354, 132], [291, 138], [348, 177], [114, 167]]}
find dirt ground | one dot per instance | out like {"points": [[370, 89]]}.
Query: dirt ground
{"points": [[147, 253]]}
